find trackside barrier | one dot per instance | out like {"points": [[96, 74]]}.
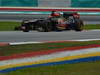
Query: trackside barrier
{"points": [[49, 9], [43, 12]]}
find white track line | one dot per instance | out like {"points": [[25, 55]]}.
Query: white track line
{"points": [[19, 43], [36, 42], [86, 40]]}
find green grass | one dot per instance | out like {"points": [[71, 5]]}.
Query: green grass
{"points": [[86, 68], [9, 50], [92, 26], [9, 26]]}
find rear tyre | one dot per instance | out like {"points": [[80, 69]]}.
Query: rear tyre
{"points": [[79, 25]]}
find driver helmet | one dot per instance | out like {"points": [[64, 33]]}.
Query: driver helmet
{"points": [[55, 14], [76, 15]]}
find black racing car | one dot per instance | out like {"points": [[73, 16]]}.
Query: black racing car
{"points": [[65, 21]]}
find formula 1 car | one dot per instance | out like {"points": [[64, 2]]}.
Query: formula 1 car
{"points": [[65, 21]]}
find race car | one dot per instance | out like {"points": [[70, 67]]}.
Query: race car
{"points": [[58, 22]]}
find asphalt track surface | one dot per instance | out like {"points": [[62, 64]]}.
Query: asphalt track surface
{"points": [[19, 36]]}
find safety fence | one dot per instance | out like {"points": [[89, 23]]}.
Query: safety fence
{"points": [[19, 3], [85, 3], [51, 3]]}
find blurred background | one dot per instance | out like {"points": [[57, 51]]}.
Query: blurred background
{"points": [[10, 15], [51, 3]]}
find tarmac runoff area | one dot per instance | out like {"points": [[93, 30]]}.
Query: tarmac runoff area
{"points": [[53, 57]]}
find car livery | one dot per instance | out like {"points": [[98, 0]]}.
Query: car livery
{"points": [[65, 21]]}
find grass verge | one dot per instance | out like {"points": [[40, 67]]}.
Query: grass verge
{"points": [[17, 49], [86, 68], [9, 26], [91, 26]]}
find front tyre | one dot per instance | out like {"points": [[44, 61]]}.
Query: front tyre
{"points": [[25, 29]]}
